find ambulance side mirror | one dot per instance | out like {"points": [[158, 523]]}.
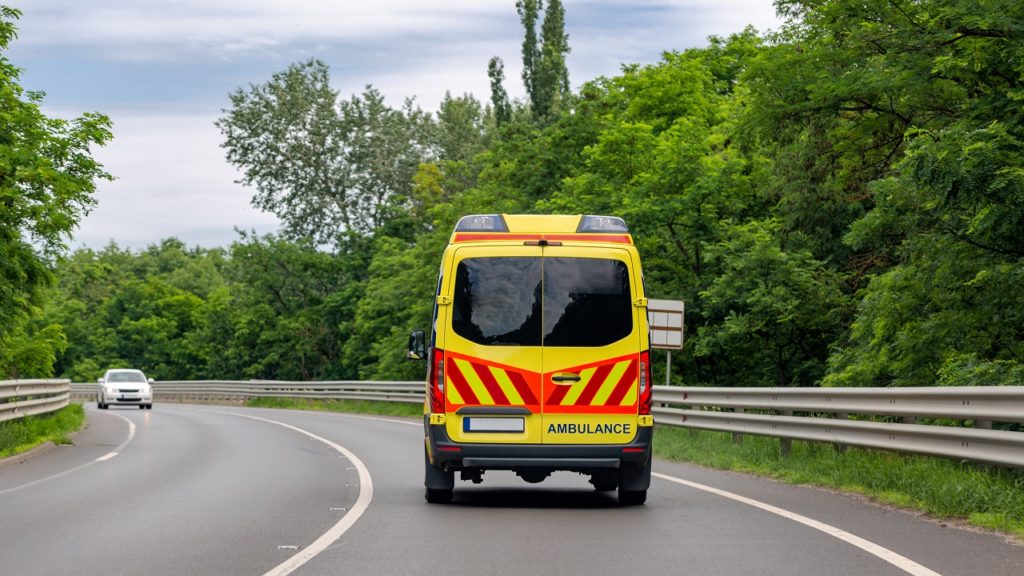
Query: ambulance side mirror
{"points": [[417, 345]]}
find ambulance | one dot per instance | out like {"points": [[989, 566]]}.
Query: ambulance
{"points": [[538, 358]]}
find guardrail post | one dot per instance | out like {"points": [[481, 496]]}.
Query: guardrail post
{"points": [[840, 448], [785, 444], [737, 437]]}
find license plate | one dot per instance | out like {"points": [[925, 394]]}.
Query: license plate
{"points": [[478, 424]]}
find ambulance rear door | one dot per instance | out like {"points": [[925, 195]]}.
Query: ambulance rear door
{"points": [[592, 336], [493, 345]]}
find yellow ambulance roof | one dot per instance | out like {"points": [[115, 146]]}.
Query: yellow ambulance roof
{"points": [[542, 223], [521, 227]]}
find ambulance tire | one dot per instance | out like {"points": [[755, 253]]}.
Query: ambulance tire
{"points": [[633, 484], [439, 483], [632, 497], [438, 496]]}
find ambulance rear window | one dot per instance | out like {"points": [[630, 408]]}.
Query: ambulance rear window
{"points": [[498, 301], [586, 302]]}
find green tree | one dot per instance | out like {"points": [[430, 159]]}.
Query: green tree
{"points": [[324, 166], [545, 75], [47, 177], [551, 76], [291, 308], [902, 138], [666, 158], [397, 300], [31, 350], [499, 97], [121, 308], [770, 314], [529, 12]]}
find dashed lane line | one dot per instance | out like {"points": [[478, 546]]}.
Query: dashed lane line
{"points": [[105, 457], [346, 522]]}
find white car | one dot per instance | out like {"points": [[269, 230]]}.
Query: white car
{"points": [[125, 387]]}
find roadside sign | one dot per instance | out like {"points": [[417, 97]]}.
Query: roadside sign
{"points": [[666, 320]]}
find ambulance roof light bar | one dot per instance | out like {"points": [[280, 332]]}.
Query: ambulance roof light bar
{"points": [[482, 223], [602, 225]]}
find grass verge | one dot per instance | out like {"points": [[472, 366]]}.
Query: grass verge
{"points": [[23, 434], [350, 406], [983, 496]]}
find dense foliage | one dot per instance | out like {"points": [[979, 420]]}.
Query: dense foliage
{"points": [[47, 176], [840, 202]]}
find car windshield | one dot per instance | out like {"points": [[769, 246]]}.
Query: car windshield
{"points": [[125, 377]]}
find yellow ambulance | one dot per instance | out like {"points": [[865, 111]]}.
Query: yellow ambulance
{"points": [[538, 357]]}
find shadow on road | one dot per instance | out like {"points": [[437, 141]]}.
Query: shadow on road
{"points": [[533, 498]]}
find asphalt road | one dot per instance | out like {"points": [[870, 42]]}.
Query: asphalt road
{"points": [[213, 490]]}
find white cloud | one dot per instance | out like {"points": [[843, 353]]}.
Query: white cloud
{"points": [[172, 180], [162, 70], [227, 26], [132, 29]]}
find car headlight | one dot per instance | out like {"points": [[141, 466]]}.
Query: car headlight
{"points": [[111, 390]]}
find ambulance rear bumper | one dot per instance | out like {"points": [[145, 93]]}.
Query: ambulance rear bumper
{"points": [[449, 455], [540, 463]]}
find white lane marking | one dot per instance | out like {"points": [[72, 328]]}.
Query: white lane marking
{"points": [[346, 522], [418, 422], [111, 454], [901, 562], [377, 419], [116, 451]]}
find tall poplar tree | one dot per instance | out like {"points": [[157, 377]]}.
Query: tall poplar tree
{"points": [[528, 12], [545, 75], [551, 77], [499, 97]]}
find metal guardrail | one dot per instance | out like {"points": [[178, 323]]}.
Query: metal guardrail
{"points": [[239, 391], [982, 403], [840, 416], [20, 398], [966, 415]]}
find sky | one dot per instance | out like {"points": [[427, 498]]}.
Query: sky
{"points": [[162, 71]]}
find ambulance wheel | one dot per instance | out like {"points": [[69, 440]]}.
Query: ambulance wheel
{"points": [[439, 483], [633, 483], [435, 496], [632, 497]]}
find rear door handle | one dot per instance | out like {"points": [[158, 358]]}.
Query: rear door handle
{"points": [[565, 377]]}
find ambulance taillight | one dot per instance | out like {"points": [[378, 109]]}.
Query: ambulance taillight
{"points": [[437, 382], [645, 383]]}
